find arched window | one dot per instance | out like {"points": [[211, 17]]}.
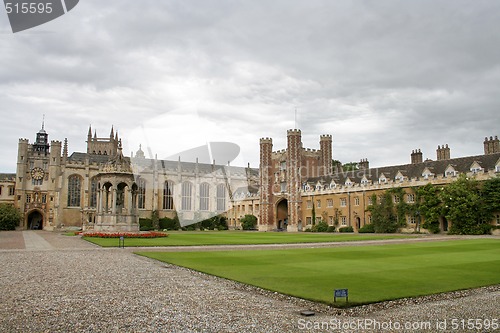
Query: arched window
{"points": [[204, 196], [168, 195], [187, 192], [221, 198], [93, 193], [141, 194], [74, 191]]}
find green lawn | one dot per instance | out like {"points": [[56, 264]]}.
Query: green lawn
{"points": [[238, 238], [371, 273]]}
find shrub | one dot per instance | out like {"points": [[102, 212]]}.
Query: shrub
{"points": [[145, 224], [433, 227], [167, 223], [9, 217], [367, 228], [346, 229], [331, 228], [307, 230], [321, 226], [249, 222]]}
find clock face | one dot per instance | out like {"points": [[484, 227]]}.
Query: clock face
{"points": [[37, 173]]}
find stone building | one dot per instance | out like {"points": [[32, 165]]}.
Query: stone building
{"points": [[297, 184], [101, 189]]}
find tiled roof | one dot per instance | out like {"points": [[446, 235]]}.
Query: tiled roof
{"points": [[461, 165], [7, 176]]}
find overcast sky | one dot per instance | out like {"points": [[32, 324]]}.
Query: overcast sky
{"points": [[383, 77]]}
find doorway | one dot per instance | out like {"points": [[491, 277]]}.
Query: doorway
{"points": [[282, 215], [35, 220]]}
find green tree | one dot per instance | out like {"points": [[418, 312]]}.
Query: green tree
{"points": [[351, 166], [384, 216], [9, 217], [248, 222], [429, 206], [464, 207], [490, 193]]}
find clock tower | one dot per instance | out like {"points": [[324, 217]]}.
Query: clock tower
{"points": [[41, 145]]}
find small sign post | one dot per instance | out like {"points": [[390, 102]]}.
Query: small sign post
{"points": [[121, 242], [341, 293]]}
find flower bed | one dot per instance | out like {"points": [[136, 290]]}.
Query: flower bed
{"points": [[149, 234]]}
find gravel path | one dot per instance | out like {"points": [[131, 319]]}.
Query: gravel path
{"points": [[78, 287]]}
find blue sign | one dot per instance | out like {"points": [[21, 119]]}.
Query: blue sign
{"points": [[340, 293]]}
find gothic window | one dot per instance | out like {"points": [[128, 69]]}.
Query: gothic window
{"points": [[410, 198], [329, 203], [11, 190], [396, 199], [187, 192], [221, 197], [168, 195], [410, 219], [318, 203], [74, 191], [141, 194], [36, 182], [343, 202], [44, 198], [356, 201], [204, 196], [93, 193], [1, 190]]}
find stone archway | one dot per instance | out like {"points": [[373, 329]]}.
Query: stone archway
{"points": [[282, 214], [35, 220]]}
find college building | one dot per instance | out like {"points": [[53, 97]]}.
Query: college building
{"points": [[103, 190]]}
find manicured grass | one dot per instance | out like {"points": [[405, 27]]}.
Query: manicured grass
{"points": [[238, 238], [371, 273]]}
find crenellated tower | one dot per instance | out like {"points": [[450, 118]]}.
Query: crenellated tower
{"points": [[491, 145], [325, 144], [266, 182], [294, 163]]}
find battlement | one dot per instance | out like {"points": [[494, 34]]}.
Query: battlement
{"points": [[491, 145], [24, 140], [55, 142], [266, 140], [293, 132], [325, 137]]}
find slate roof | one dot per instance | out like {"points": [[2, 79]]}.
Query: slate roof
{"points": [[148, 164], [8, 176], [461, 165]]}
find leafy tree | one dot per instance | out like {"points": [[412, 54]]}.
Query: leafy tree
{"points": [[490, 193], [429, 206], [463, 206], [248, 222], [9, 217], [384, 217], [351, 166]]}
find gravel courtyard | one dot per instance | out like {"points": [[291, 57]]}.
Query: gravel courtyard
{"points": [[55, 283]]}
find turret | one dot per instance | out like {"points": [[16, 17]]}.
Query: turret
{"points": [[416, 156], [325, 144]]}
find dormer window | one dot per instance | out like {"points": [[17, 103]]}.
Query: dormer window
{"points": [[475, 168], [399, 177], [382, 179], [348, 182], [450, 172], [427, 174], [364, 181], [333, 185]]}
